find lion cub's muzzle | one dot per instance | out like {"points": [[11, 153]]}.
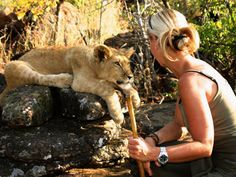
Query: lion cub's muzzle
{"points": [[127, 83]]}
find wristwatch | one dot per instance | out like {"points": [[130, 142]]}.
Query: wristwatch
{"points": [[163, 156]]}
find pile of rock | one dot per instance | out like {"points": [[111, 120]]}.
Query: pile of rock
{"points": [[44, 131]]}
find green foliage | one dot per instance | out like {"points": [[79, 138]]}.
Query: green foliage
{"points": [[37, 8], [218, 33]]}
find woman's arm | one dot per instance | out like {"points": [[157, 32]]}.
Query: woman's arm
{"points": [[173, 130], [194, 91], [195, 102]]}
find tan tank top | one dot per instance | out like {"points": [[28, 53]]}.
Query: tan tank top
{"points": [[223, 110]]}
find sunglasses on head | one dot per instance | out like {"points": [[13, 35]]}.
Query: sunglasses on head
{"points": [[149, 22]]}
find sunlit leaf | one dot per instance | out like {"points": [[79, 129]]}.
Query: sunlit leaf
{"points": [[219, 24], [20, 15]]}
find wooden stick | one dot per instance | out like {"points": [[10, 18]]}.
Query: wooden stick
{"points": [[134, 130]]}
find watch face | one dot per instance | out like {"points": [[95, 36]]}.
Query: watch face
{"points": [[163, 159]]}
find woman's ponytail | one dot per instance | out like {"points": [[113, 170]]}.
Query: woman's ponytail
{"points": [[180, 39], [184, 39]]}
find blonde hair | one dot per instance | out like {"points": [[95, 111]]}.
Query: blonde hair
{"points": [[173, 30]]}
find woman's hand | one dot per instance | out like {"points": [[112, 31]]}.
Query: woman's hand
{"points": [[139, 149], [143, 150]]}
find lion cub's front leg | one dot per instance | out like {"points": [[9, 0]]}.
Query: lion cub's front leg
{"points": [[114, 107], [103, 89]]}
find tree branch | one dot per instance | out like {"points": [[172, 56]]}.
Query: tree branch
{"points": [[166, 4]]}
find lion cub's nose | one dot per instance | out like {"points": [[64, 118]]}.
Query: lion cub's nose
{"points": [[130, 77]]}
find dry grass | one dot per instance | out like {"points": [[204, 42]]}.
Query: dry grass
{"points": [[101, 22], [95, 24]]}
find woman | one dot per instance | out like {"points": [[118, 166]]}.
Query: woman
{"points": [[206, 106]]}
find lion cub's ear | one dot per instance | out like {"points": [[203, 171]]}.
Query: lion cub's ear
{"points": [[128, 52], [102, 52]]}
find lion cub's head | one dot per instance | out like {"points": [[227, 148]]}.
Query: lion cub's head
{"points": [[114, 65]]}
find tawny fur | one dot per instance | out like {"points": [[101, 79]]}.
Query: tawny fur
{"points": [[98, 70]]}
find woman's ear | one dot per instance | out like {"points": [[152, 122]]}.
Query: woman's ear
{"points": [[102, 52]]}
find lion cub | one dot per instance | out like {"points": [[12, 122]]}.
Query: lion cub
{"points": [[98, 70]]}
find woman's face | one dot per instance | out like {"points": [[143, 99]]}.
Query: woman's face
{"points": [[155, 49]]}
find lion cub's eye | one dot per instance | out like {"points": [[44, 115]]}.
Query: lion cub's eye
{"points": [[117, 63]]}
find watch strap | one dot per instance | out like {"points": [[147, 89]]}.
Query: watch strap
{"points": [[155, 138]]}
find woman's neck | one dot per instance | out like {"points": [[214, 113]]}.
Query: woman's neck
{"points": [[183, 64]]}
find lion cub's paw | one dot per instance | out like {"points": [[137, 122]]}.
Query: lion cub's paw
{"points": [[136, 100], [64, 80], [134, 95]]}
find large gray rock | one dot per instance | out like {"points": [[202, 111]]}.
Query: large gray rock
{"points": [[61, 144], [33, 105], [64, 144], [27, 106], [69, 143], [82, 106]]}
